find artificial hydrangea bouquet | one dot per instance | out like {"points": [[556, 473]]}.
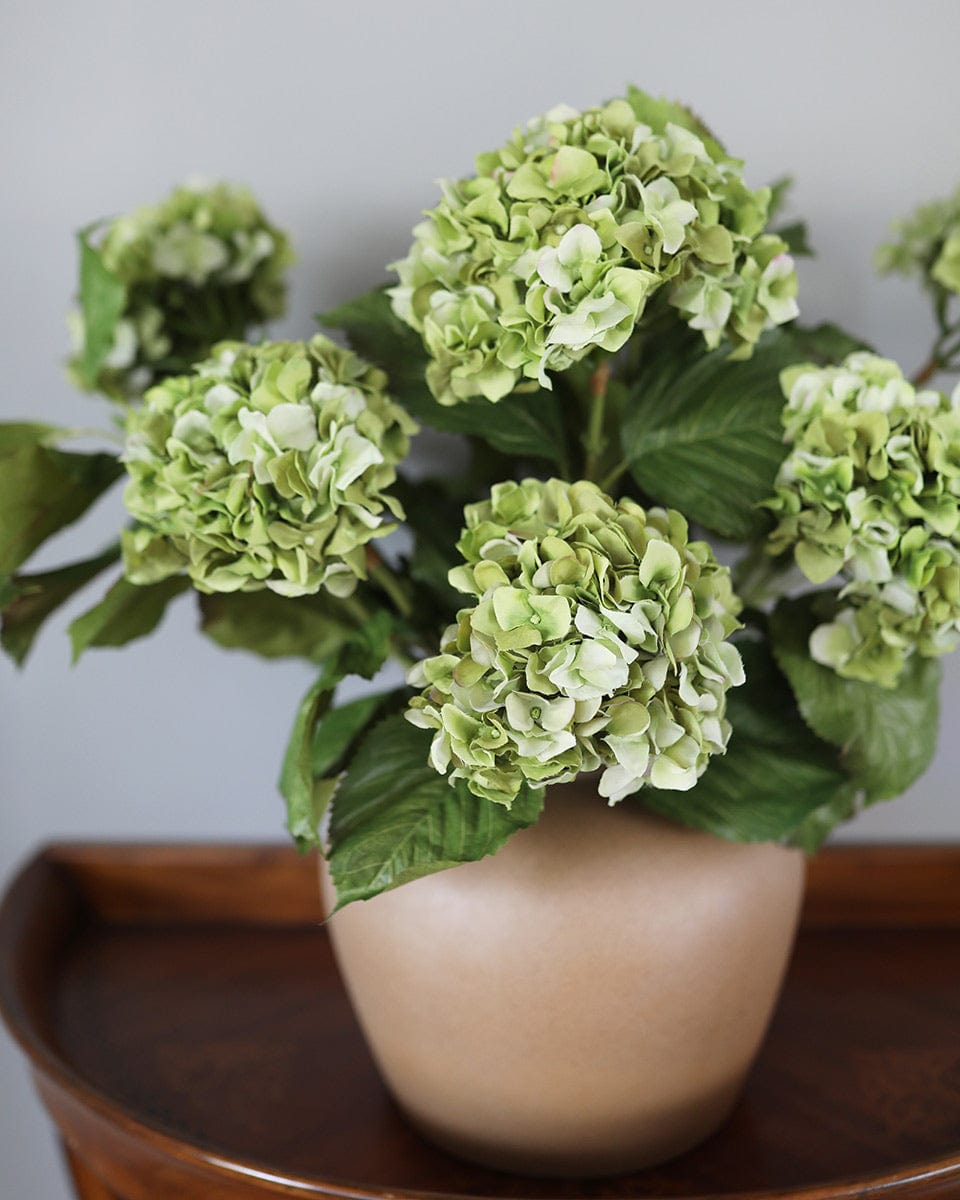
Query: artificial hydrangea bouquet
{"points": [[605, 314]]}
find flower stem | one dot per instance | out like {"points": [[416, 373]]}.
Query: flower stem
{"points": [[594, 442], [926, 372], [615, 475], [385, 579]]}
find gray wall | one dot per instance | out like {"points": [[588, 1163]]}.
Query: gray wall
{"points": [[340, 116]]}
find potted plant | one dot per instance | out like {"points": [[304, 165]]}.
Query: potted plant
{"points": [[671, 610]]}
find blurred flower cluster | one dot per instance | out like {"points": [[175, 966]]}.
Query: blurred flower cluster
{"points": [[201, 267]]}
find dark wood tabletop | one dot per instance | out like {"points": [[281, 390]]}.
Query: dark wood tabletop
{"points": [[190, 1037]]}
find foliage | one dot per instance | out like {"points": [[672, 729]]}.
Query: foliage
{"points": [[599, 323]]}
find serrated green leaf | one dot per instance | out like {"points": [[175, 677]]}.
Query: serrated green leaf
{"points": [[127, 612], [102, 300], [369, 648], [395, 819], [310, 627], [321, 739], [32, 598], [42, 490], [887, 736], [338, 732], [703, 433], [524, 425], [775, 774]]}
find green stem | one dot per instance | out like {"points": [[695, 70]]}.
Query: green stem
{"points": [[108, 435], [356, 608], [594, 442], [615, 475], [385, 579]]}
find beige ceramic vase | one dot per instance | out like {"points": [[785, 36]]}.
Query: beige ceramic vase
{"points": [[586, 1002]]}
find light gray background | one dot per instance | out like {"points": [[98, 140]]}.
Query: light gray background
{"points": [[340, 116]]}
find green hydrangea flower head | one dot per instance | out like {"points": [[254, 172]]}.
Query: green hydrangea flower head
{"points": [[268, 467], [563, 236], [870, 490], [927, 244], [595, 639], [203, 266]]}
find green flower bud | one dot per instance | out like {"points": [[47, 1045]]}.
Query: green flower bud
{"points": [[556, 244], [870, 490], [267, 467], [597, 641], [201, 267]]}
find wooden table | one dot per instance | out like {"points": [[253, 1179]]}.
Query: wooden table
{"points": [[189, 1035]]}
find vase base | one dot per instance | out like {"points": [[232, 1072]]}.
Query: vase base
{"points": [[649, 1141]]}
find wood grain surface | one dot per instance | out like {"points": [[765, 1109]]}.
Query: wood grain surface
{"points": [[189, 1035]]}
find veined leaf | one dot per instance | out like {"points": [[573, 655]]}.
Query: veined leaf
{"points": [[887, 736], [35, 597], [775, 774], [43, 489], [395, 819], [524, 424], [321, 739], [703, 433], [127, 612]]}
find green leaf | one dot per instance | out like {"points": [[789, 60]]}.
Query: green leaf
{"points": [[887, 736], [306, 797], [435, 518], [32, 598], [779, 194], [815, 830], [825, 344], [310, 627], [102, 300], [339, 731], [369, 648], [318, 742], [796, 236], [42, 489], [703, 433], [14, 435], [775, 772], [524, 424], [127, 612], [395, 819]]}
